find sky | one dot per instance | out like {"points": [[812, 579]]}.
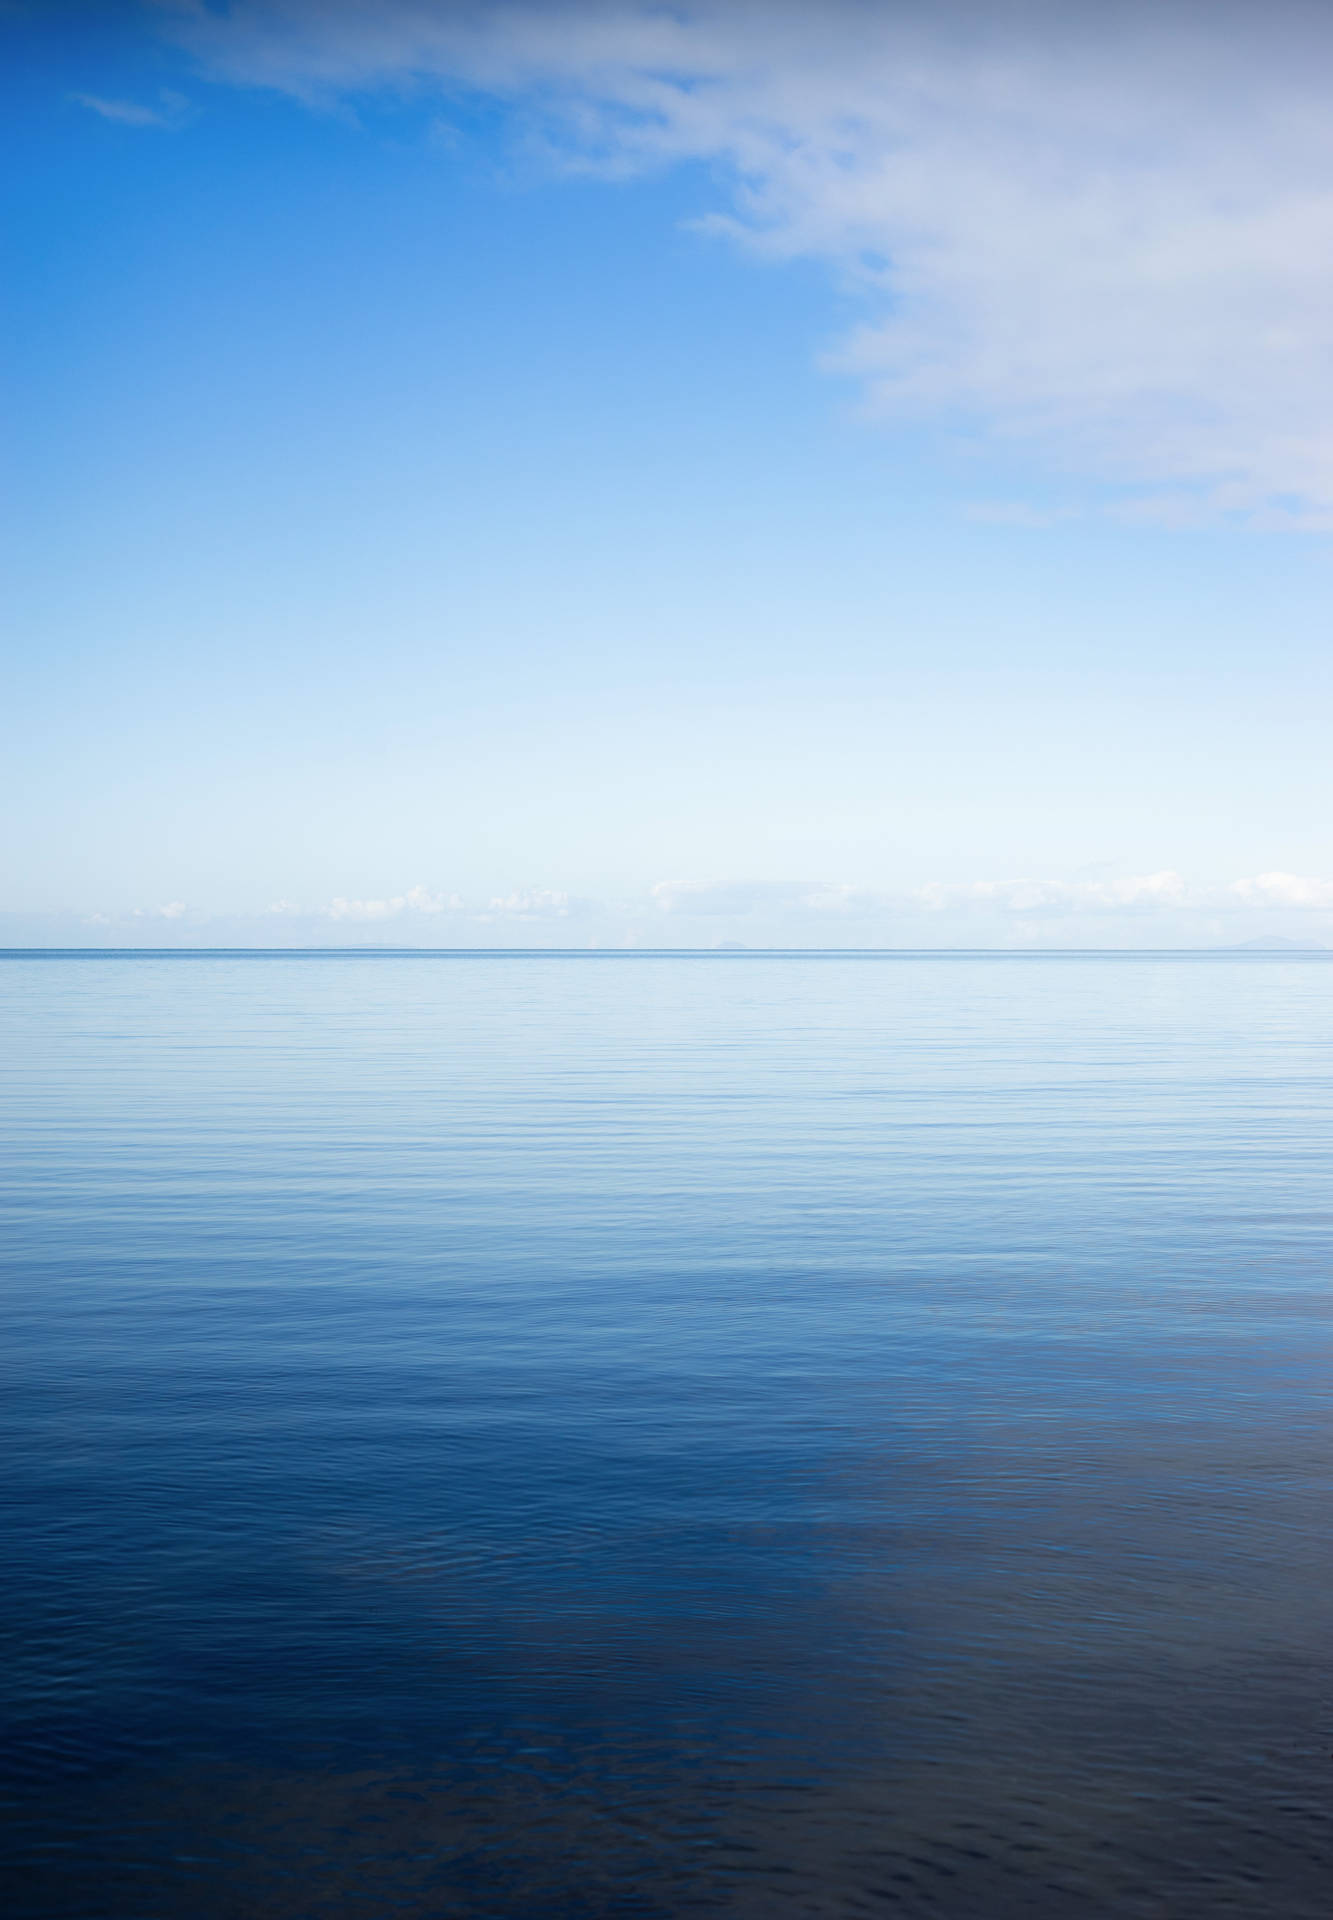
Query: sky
{"points": [[605, 473]]}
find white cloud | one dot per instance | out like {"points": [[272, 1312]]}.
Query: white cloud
{"points": [[415, 900], [1284, 890], [1105, 232], [524, 904], [532, 903], [173, 910], [341, 909]]}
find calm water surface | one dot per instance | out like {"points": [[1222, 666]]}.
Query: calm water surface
{"points": [[573, 1436]]}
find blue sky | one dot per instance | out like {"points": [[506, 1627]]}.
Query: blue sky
{"points": [[497, 475]]}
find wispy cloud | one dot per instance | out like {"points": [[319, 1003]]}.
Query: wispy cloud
{"points": [[132, 113], [1165, 889], [739, 898], [1015, 899], [827, 900], [1104, 232]]}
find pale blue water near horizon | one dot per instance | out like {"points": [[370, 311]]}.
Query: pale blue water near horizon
{"points": [[646, 1435]]}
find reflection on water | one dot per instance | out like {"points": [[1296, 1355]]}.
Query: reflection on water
{"points": [[642, 1436]]}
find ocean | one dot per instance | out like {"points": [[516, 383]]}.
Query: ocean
{"points": [[633, 1434]]}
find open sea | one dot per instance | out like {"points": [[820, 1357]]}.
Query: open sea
{"points": [[757, 1435]]}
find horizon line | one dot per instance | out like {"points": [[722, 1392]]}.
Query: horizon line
{"points": [[729, 951]]}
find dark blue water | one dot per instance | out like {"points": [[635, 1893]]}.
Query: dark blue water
{"points": [[572, 1436]]}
